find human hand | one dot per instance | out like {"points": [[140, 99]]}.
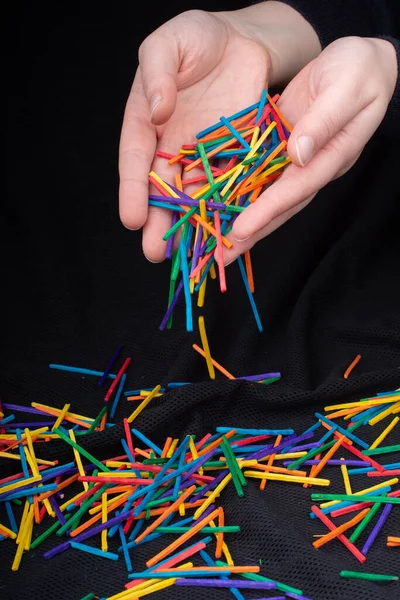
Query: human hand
{"points": [[193, 69], [335, 103]]}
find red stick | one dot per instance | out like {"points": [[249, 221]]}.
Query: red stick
{"points": [[360, 455], [117, 379]]}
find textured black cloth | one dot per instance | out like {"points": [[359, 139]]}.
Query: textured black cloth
{"points": [[75, 285], [333, 19]]}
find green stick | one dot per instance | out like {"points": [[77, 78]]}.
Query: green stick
{"points": [[368, 576], [353, 498], [81, 451]]}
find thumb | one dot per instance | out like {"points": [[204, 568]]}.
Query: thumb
{"points": [[331, 111], [159, 64]]}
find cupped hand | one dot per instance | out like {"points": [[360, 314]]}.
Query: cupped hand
{"points": [[192, 70], [335, 103]]}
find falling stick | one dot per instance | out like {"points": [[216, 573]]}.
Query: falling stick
{"points": [[214, 362], [206, 348], [351, 366]]}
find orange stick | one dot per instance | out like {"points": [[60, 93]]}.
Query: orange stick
{"points": [[220, 536], [351, 366], [222, 131], [97, 517], [255, 194], [260, 168], [328, 455], [182, 539], [339, 530], [216, 443], [257, 184], [174, 506], [167, 446], [346, 412], [232, 569], [216, 150], [214, 362], [280, 115], [60, 487], [249, 270]]}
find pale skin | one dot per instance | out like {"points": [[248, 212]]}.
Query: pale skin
{"points": [[199, 66]]}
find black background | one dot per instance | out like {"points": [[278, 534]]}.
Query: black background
{"points": [[75, 284]]}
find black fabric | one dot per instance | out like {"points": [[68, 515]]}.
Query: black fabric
{"points": [[75, 285]]}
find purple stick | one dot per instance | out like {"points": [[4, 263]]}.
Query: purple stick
{"points": [[183, 486], [209, 486], [89, 533], [186, 201], [334, 461], [56, 550], [171, 306], [31, 424], [197, 465], [170, 243], [57, 510], [110, 366], [196, 251], [19, 408], [228, 583], [305, 447], [371, 538], [296, 596], [205, 514], [259, 377], [288, 442]]}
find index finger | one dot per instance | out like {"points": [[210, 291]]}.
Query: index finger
{"points": [[136, 153]]}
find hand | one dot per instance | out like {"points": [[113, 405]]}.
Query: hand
{"points": [[193, 69], [335, 104]]}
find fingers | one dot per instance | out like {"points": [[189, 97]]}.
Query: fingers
{"points": [[298, 183], [137, 148], [159, 64], [329, 113], [159, 220]]}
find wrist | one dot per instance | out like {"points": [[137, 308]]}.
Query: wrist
{"points": [[286, 35]]}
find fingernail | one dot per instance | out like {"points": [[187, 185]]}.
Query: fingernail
{"points": [[305, 149], [132, 228], [153, 262], [155, 102], [242, 240]]}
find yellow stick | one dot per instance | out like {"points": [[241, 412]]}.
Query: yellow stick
{"points": [[361, 492], [26, 524], [346, 479], [384, 433], [212, 496], [280, 477], [61, 416], [384, 414], [78, 460], [104, 517], [143, 404], [206, 348]]}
